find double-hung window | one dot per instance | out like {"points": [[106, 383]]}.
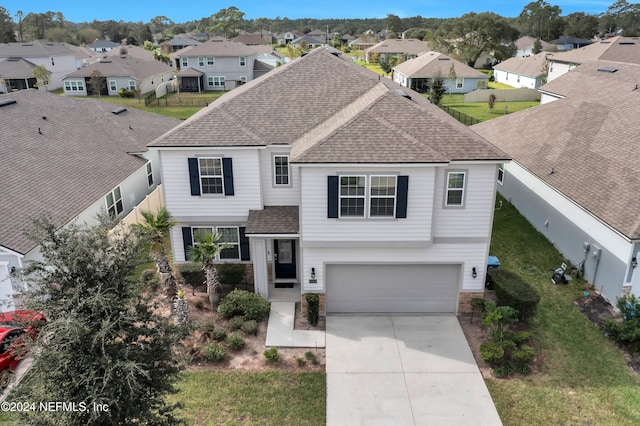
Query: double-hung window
{"points": [[132, 85], [459, 82], [211, 61], [201, 61], [243, 61], [211, 175], [149, 174], [455, 188], [382, 196], [501, 173], [215, 81], [114, 202], [184, 61], [229, 235], [368, 196], [113, 86], [281, 170], [352, 196]]}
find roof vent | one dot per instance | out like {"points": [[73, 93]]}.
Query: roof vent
{"points": [[402, 93], [443, 58], [608, 69], [27, 44], [5, 102], [118, 110], [626, 42]]}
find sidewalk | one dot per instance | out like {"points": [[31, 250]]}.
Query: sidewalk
{"points": [[280, 332]]}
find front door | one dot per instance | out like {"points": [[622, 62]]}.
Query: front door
{"points": [[285, 258]]}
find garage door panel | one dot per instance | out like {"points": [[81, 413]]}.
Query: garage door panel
{"points": [[410, 288]]}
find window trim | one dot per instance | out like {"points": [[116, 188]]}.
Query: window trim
{"points": [[500, 176], [215, 230], [132, 85], [459, 82], [221, 176], [368, 197], [242, 60], [113, 85], [201, 61], [184, 61], [210, 61], [462, 204], [341, 197], [74, 86], [115, 199], [149, 169], [275, 171], [394, 197]]}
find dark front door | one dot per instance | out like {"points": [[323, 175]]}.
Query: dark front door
{"points": [[285, 258]]}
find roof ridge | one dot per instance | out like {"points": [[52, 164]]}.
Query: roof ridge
{"points": [[338, 120]]}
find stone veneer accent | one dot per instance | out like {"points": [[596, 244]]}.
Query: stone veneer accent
{"points": [[464, 301], [322, 307]]}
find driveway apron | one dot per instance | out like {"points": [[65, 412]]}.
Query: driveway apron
{"points": [[403, 370]]}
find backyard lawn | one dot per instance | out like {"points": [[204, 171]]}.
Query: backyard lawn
{"points": [[480, 110], [583, 378]]}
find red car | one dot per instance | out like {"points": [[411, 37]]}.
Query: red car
{"points": [[13, 326]]}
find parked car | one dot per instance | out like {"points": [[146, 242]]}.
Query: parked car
{"points": [[15, 326]]}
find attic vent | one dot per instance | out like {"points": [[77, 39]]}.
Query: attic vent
{"points": [[402, 93], [443, 59], [608, 69], [605, 42], [626, 42], [105, 61], [118, 110], [5, 102]]}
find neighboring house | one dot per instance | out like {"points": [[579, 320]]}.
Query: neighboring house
{"points": [[405, 48], [320, 35], [253, 39], [527, 72], [118, 72], [58, 58], [16, 74], [178, 43], [569, 43], [59, 163], [363, 43], [103, 46], [309, 41], [216, 65], [524, 46], [273, 58], [376, 202], [287, 37], [619, 49], [575, 172], [417, 72]]}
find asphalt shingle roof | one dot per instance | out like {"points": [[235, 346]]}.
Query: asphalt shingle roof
{"points": [[430, 63], [34, 49], [336, 112], [619, 49], [16, 68], [123, 66], [530, 66], [274, 220], [81, 154], [589, 139], [218, 48], [409, 46]]}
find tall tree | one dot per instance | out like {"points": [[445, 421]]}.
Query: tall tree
{"points": [[160, 24], [97, 82], [205, 250], [104, 345], [226, 21], [579, 24], [393, 23], [542, 20], [7, 34], [451, 76], [436, 88]]}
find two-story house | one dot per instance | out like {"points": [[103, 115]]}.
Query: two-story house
{"points": [[216, 65], [376, 201], [68, 159]]}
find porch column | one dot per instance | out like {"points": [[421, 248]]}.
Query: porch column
{"points": [[260, 273]]}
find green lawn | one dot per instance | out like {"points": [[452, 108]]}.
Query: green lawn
{"points": [[248, 398], [583, 378], [480, 110]]}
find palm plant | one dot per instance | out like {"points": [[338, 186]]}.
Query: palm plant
{"points": [[206, 249], [157, 226]]}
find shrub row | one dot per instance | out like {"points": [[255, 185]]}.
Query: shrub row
{"points": [[513, 291], [228, 273]]}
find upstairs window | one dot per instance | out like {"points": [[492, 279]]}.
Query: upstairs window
{"points": [[211, 61], [372, 196], [114, 202], [382, 193], [281, 170], [184, 61], [211, 175], [352, 196], [243, 61], [455, 189], [201, 61]]}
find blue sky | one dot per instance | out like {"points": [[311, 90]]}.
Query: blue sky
{"points": [[142, 10]]}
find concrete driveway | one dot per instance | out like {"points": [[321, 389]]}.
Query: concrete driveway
{"points": [[403, 370]]}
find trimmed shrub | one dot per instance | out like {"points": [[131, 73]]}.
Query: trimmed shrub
{"points": [[272, 355], [235, 340], [626, 329], [492, 353], [126, 93], [214, 352], [236, 323], [313, 308], [231, 273], [301, 362], [192, 274], [219, 334], [241, 302], [520, 336], [512, 291], [524, 354], [250, 327], [311, 357]]}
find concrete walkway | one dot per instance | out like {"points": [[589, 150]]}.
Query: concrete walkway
{"points": [[280, 330], [403, 370]]}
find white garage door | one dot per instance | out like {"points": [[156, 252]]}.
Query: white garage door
{"points": [[409, 288]]}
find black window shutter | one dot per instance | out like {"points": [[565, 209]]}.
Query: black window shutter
{"points": [[244, 245], [227, 173], [187, 240], [332, 197], [194, 176], [401, 200]]}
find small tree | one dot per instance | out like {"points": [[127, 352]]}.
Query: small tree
{"points": [[386, 66], [452, 79], [492, 102], [537, 47], [205, 251], [436, 88], [42, 75], [97, 82]]}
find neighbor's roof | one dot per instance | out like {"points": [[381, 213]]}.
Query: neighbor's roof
{"points": [[182, 41], [589, 139], [337, 112], [430, 63], [104, 43], [79, 156], [15, 68], [251, 39], [571, 40], [530, 66], [619, 49], [528, 41], [217, 48], [34, 49], [409, 46], [122, 66]]}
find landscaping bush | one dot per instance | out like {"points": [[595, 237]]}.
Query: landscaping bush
{"points": [[125, 93], [192, 274], [150, 279], [301, 362], [626, 328], [512, 291], [214, 352], [235, 340], [250, 327], [219, 334], [311, 357], [492, 353], [236, 323], [272, 355], [231, 273], [313, 308], [520, 336], [241, 302]]}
